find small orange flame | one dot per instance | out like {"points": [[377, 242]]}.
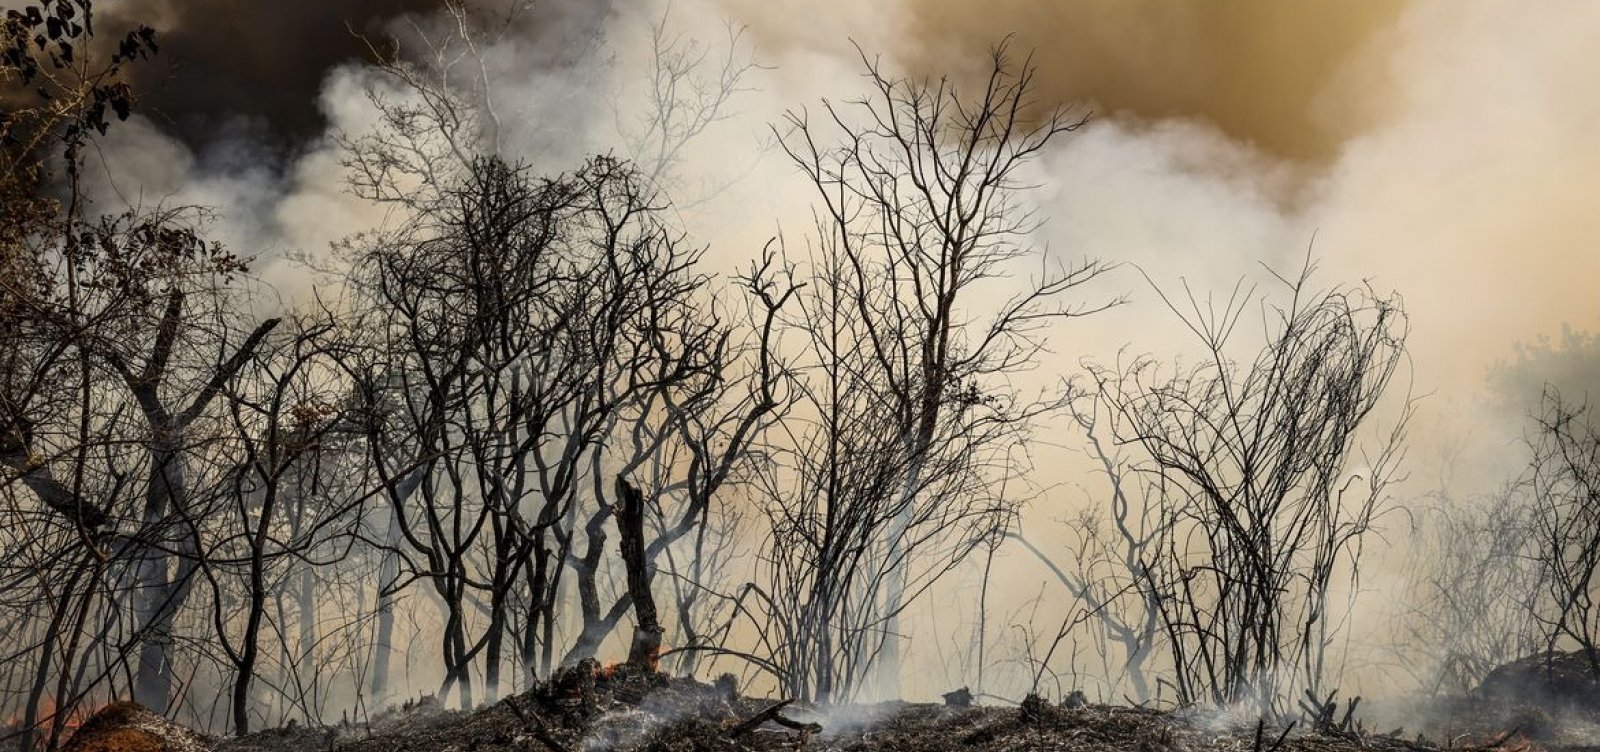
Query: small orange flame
{"points": [[1501, 741], [654, 659], [652, 664], [46, 716]]}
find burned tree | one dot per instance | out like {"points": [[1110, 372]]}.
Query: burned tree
{"points": [[498, 324], [1564, 481], [688, 408], [121, 335], [130, 448], [539, 336], [296, 488], [687, 440], [545, 335], [1473, 588], [157, 346], [922, 219], [58, 266], [645, 649], [1106, 570], [1262, 487]]}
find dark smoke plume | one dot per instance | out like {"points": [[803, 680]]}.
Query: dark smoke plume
{"points": [[255, 66], [259, 65]]}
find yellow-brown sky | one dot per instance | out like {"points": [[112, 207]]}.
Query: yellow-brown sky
{"points": [[1260, 70]]}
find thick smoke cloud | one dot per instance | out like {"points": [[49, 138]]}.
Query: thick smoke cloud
{"points": [[1428, 144], [1259, 70], [243, 68], [1437, 147], [237, 110], [230, 64]]}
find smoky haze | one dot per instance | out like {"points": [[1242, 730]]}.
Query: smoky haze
{"points": [[1443, 149], [1261, 71], [1440, 149]]}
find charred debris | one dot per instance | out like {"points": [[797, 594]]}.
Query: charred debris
{"points": [[1544, 703]]}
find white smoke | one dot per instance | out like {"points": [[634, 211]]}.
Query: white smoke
{"points": [[1466, 182]]}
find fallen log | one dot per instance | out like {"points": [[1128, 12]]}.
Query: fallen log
{"points": [[773, 713]]}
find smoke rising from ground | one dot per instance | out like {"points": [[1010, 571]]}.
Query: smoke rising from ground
{"points": [[1445, 149], [1441, 149]]}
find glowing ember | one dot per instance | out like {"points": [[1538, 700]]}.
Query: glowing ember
{"points": [[1501, 741], [46, 716]]}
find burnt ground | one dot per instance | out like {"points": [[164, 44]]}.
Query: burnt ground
{"points": [[584, 711], [1532, 722], [892, 726], [587, 709]]}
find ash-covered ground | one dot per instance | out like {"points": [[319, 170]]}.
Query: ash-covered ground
{"points": [[624, 709]]}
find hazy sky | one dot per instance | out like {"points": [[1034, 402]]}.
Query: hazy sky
{"points": [[1443, 148]]}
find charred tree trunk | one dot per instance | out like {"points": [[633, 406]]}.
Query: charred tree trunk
{"points": [[597, 623], [308, 618], [31, 719], [457, 669], [388, 576], [536, 654], [161, 593], [250, 642], [505, 574], [645, 651]]}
